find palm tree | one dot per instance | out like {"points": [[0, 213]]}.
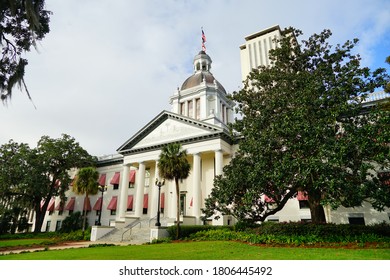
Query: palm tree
{"points": [[173, 165], [86, 183]]}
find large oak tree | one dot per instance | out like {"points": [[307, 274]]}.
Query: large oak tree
{"points": [[31, 177], [303, 127]]}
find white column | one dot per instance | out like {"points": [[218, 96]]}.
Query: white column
{"points": [[193, 108], [122, 199], [139, 192], [154, 194], [196, 203], [218, 162]]}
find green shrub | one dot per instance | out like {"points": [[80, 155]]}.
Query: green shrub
{"points": [[72, 222], [299, 234], [186, 231], [77, 235]]}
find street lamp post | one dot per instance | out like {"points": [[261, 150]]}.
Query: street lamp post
{"points": [[102, 189], [159, 184]]}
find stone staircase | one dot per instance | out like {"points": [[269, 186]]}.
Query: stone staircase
{"points": [[136, 232]]}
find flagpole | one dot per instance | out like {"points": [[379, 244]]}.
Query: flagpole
{"points": [[203, 40]]}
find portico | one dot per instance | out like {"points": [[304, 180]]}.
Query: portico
{"points": [[206, 159]]}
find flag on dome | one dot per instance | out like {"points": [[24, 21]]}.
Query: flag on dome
{"points": [[203, 41]]}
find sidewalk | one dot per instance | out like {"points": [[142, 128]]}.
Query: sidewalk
{"points": [[67, 245]]}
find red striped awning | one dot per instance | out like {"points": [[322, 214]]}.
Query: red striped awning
{"points": [[112, 204], [98, 204], [87, 204], [57, 184], [102, 180], [146, 199], [302, 195], [50, 208], [115, 179], [60, 206], [268, 199], [132, 177], [162, 200], [70, 205], [130, 199]]}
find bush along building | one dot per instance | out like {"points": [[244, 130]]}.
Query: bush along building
{"points": [[128, 199]]}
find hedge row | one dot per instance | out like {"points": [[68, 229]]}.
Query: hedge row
{"points": [[290, 233], [71, 236]]}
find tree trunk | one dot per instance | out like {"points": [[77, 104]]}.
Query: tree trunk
{"points": [[316, 209], [39, 216], [85, 213], [178, 208]]}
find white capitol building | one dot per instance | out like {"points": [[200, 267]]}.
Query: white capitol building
{"points": [[200, 112]]}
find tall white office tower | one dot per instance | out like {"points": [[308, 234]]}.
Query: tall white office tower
{"points": [[254, 52]]}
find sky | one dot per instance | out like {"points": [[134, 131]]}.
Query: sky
{"points": [[108, 67]]}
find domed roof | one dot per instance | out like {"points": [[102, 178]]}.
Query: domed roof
{"points": [[202, 65], [198, 78]]}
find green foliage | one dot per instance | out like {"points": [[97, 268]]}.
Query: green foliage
{"points": [[162, 240], [72, 222], [86, 183], [29, 177], [302, 128], [299, 234], [76, 235], [13, 219], [22, 24], [387, 88], [29, 235], [186, 231], [173, 163]]}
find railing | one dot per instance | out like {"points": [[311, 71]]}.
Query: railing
{"points": [[151, 219], [130, 227]]}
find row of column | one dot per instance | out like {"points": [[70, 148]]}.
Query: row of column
{"points": [[140, 184]]}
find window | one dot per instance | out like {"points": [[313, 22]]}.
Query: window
{"points": [[223, 113], [182, 108], [115, 180], [197, 108], [130, 199], [190, 108], [58, 225], [145, 204], [183, 204], [303, 204], [70, 212], [113, 212], [147, 177], [273, 220], [162, 202], [60, 212], [48, 225], [356, 220], [97, 212]]}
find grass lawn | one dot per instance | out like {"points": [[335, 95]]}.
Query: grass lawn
{"points": [[24, 242], [205, 250]]}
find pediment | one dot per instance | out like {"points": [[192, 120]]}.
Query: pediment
{"points": [[168, 127]]}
